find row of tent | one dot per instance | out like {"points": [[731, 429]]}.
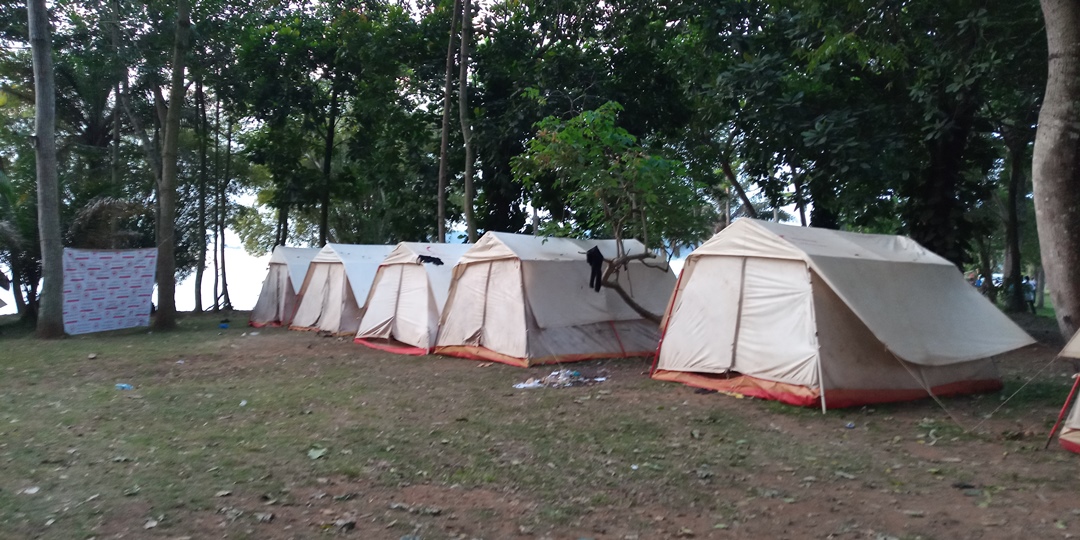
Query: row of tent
{"points": [[801, 315]]}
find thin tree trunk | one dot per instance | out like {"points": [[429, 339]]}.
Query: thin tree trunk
{"points": [[1040, 288], [223, 199], [463, 110], [444, 146], [200, 105], [282, 236], [328, 157], [166, 223], [217, 182], [1014, 293], [16, 290], [730, 174], [50, 322], [1056, 163]]}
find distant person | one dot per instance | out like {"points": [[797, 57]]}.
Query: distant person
{"points": [[979, 282], [1029, 293]]}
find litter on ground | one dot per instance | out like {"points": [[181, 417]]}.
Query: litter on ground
{"points": [[562, 378]]}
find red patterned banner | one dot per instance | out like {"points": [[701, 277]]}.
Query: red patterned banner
{"points": [[107, 290]]}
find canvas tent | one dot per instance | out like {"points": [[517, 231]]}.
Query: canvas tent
{"points": [[525, 300], [407, 297], [277, 300], [336, 286], [812, 316], [1070, 431]]}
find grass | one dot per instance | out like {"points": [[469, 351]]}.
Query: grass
{"points": [[215, 411]]}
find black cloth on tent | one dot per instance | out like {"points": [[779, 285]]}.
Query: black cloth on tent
{"points": [[596, 262], [429, 259]]}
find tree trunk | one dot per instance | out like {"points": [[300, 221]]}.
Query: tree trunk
{"points": [[730, 174], [1040, 288], [16, 290], [217, 182], [282, 236], [166, 223], [328, 157], [1014, 293], [50, 322], [223, 200], [463, 110], [444, 146], [1056, 163], [200, 105]]}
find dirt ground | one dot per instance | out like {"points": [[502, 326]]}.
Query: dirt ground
{"points": [[230, 434]]}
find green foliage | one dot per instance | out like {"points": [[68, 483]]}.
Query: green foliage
{"points": [[615, 186]]}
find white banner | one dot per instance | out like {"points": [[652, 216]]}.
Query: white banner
{"points": [[107, 290]]}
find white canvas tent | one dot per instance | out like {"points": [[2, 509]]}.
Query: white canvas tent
{"points": [[407, 297], [277, 300], [809, 316], [336, 286], [525, 300], [1070, 432]]}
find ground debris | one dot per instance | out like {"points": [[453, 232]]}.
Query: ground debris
{"points": [[562, 378]]}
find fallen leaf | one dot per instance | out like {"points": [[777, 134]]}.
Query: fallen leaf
{"points": [[316, 453], [223, 493], [150, 524]]}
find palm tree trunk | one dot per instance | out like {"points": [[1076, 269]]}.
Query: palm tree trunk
{"points": [[50, 323]]}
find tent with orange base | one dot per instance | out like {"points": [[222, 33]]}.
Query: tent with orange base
{"points": [[1070, 432], [812, 316], [277, 300], [407, 297], [525, 300], [336, 287]]}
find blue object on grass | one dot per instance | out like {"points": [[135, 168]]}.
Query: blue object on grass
{"points": [[124, 386]]}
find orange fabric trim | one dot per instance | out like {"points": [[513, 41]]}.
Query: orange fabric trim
{"points": [[391, 347], [483, 353], [480, 353], [803, 396], [1070, 440]]}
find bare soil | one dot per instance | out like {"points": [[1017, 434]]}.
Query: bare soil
{"points": [[291, 435]]}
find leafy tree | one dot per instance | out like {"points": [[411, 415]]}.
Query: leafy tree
{"points": [[616, 189]]}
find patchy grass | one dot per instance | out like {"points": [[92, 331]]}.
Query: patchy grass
{"points": [[217, 431]]}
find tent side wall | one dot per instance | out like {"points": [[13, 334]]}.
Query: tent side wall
{"points": [[771, 328], [276, 300], [1070, 433], [401, 315], [858, 369], [484, 317], [326, 301], [312, 296]]}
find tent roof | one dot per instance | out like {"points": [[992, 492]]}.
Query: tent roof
{"points": [[361, 262], [439, 276], [409, 253], [296, 259], [1072, 348], [499, 245], [914, 301]]}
